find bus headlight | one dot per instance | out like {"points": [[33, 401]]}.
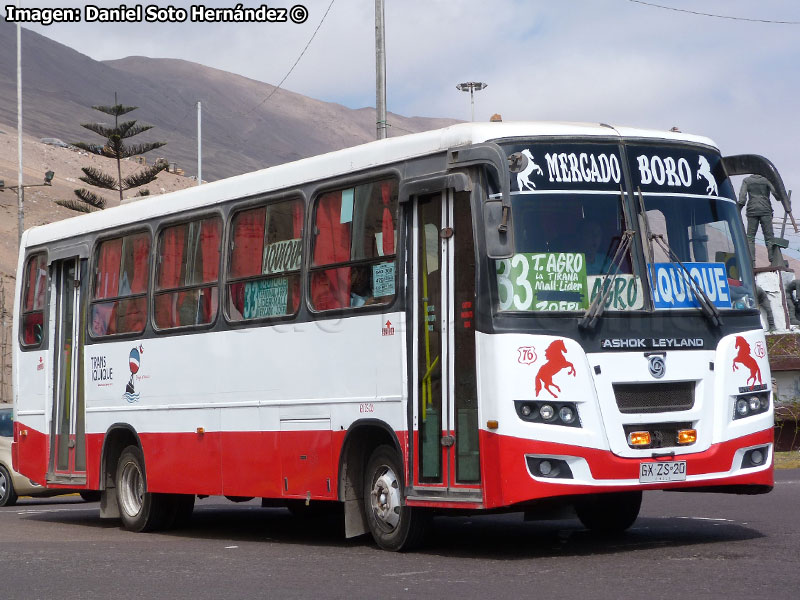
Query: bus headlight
{"points": [[546, 412], [742, 407], [549, 413], [746, 405], [566, 414]]}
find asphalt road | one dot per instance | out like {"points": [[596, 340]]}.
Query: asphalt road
{"points": [[683, 546]]}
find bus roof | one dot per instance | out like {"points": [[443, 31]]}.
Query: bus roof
{"points": [[332, 164]]}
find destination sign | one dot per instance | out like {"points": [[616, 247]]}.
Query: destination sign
{"points": [[545, 281], [671, 288], [567, 166], [676, 169], [667, 168]]}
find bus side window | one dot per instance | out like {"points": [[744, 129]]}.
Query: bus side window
{"points": [[354, 247], [186, 290], [119, 291], [265, 258], [34, 291]]}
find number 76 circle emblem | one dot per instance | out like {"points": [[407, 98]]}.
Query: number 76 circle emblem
{"points": [[527, 355]]}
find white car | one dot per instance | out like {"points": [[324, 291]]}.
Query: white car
{"points": [[12, 484]]}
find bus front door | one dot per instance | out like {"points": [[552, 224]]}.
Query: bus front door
{"points": [[445, 451], [67, 430]]}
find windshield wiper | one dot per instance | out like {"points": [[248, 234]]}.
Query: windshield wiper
{"points": [[598, 305], [707, 306]]}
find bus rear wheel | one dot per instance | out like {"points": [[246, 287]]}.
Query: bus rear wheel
{"points": [[139, 510], [393, 525], [609, 513]]}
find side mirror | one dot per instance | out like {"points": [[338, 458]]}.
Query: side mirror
{"points": [[497, 221], [496, 212]]}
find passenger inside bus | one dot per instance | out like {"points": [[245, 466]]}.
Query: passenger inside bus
{"points": [[360, 287]]}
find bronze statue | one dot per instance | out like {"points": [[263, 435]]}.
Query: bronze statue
{"points": [[755, 193]]}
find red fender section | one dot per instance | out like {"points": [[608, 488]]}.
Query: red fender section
{"points": [[32, 457], [30, 451], [507, 480]]}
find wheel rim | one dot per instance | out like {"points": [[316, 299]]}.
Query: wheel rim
{"points": [[131, 489], [3, 484], [385, 498]]}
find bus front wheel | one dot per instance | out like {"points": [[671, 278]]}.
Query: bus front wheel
{"points": [[139, 510], [393, 525], [609, 513]]}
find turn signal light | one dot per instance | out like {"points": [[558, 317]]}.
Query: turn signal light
{"points": [[687, 436], [492, 424], [639, 438]]}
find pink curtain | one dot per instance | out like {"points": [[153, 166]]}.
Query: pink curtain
{"points": [[107, 281], [248, 243], [141, 264], [169, 275], [387, 224], [33, 268], [331, 289], [209, 251]]}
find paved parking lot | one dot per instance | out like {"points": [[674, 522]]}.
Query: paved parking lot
{"points": [[683, 545]]}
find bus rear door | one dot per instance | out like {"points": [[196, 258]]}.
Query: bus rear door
{"points": [[67, 431]]}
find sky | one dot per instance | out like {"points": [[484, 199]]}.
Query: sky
{"points": [[622, 62]]}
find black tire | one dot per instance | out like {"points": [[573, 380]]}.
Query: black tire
{"points": [[609, 513], [393, 525], [182, 506], [139, 509], [90, 495], [8, 495]]}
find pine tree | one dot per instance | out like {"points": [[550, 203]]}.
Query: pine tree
{"points": [[115, 147]]}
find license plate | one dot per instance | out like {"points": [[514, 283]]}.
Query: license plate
{"points": [[653, 472]]}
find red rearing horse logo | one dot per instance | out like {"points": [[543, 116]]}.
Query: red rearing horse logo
{"points": [[743, 357], [556, 361]]}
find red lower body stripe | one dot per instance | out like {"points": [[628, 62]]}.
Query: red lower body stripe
{"points": [[293, 464]]}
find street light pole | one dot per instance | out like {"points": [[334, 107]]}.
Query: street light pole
{"points": [[471, 87], [380, 72], [199, 147], [20, 190]]}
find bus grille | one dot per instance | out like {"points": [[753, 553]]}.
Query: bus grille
{"points": [[654, 397]]}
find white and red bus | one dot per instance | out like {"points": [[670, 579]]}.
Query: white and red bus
{"points": [[499, 316]]}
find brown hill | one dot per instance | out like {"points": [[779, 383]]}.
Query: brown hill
{"points": [[242, 130]]}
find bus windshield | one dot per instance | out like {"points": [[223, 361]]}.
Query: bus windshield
{"points": [[565, 244], [568, 206], [702, 233]]}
